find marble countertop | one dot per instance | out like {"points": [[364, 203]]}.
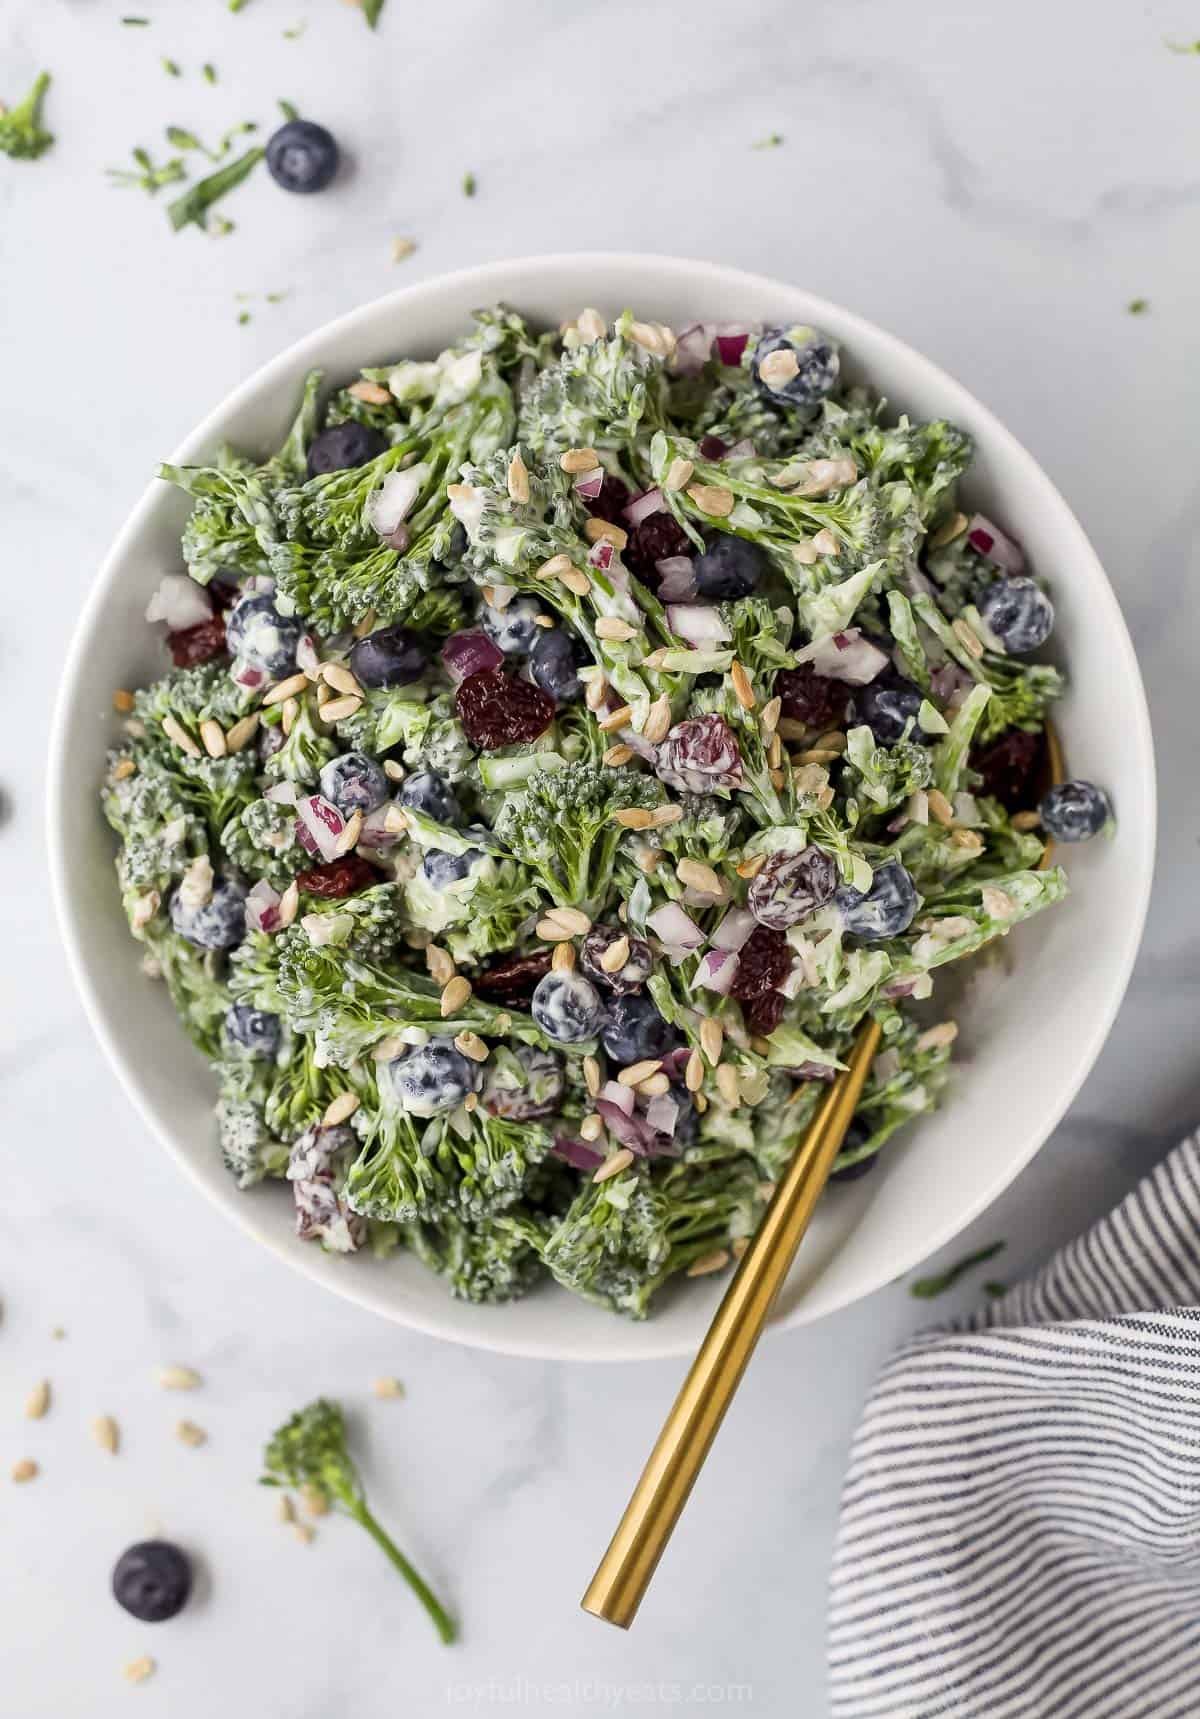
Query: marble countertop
{"points": [[995, 188]]}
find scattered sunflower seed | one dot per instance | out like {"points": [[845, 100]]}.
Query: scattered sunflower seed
{"points": [[178, 1378]]}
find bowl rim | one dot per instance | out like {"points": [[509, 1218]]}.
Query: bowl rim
{"points": [[490, 279]]}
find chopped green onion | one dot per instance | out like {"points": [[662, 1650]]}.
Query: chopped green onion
{"points": [[925, 1288], [193, 205]]}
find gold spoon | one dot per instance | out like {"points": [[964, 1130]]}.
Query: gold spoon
{"points": [[623, 1574]]}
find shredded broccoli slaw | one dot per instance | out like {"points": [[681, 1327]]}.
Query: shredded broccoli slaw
{"points": [[572, 738]]}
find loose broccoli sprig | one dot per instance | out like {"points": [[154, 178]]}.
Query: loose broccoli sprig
{"points": [[22, 135], [468, 1163], [562, 825], [882, 777], [310, 1452]]}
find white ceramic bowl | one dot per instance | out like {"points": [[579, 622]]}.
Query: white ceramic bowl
{"points": [[1029, 1042]]}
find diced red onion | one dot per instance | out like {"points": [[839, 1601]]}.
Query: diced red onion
{"points": [[282, 793], [847, 657], [375, 832], [630, 1130], [587, 484], [622, 1096], [662, 1114], [990, 541], [262, 907], [899, 988], [180, 602], [743, 450], [399, 539], [675, 1062], [949, 680], [642, 506], [677, 578], [692, 349], [730, 343], [318, 826], [306, 654], [391, 501], [246, 676], [470, 653], [671, 925], [813, 1071], [717, 971], [734, 929], [577, 1153], [600, 555], [698, 624]]}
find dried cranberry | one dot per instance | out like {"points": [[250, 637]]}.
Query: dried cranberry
{"points": [[497, 710], [340, 877], [198, 644], [512, 980], [612, 501], [655, 539], [699, 755], [808, 697], [1011, 767], [764, 961], [762, 1014], [712, 448]]}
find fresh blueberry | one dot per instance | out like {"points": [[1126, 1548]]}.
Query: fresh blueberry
{"points": [[816, 370], [343, 446], [302, 156], [857, 1136], [256, 1030], [390, 657], [567, 1007], [535, 1091], [884, 910], [354, 783], [1073, 811], [633, 1030], [260, 636], [730, 567], [431, 794], [219, 924], [152, 1580], [441, 869], [514, 628], [433, 1078], [554, 664], [1019, 612], [887, 706]]}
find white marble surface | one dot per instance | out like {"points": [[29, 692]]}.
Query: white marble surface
{"points": [[992, 183]]}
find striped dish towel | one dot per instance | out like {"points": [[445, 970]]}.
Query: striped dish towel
{"points": [[1020, 1530]]}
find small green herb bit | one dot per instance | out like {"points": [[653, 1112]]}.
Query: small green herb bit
{"points": [[772, 140], [171, 67], [1184, 47], [243, 316], [145, 175], [22, 135], [310, 1451], [994, 1288], [1138, 306], [210, 72], [371, 11], [182, 139], [289, 110], [925, 1288], [468, 185], [141, 22], [196, 201], [296, 31], [237, 5]]}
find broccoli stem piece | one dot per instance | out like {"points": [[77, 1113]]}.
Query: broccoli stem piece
{"points": [[310, 1451]]}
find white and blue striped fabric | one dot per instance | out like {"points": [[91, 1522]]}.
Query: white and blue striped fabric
{"points": [[1020, 1529]]}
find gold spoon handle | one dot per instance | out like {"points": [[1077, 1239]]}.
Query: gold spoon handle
{"points": [[624, 1572]]}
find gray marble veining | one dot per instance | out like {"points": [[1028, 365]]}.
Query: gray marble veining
{"points": [[994, 184]]}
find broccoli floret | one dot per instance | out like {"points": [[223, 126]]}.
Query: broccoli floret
{"points": [[261, 841], [491, 1262], [22, 135], [251, 1152], [467, 1162], [155, 813], [881, 777], [620, 1240], [605, 395], [307, 748], [215, 789], [309, 1452], [287, 1094], [562, 825], [1022, 695], [760, 636], [908, 1078], [195, 978]]}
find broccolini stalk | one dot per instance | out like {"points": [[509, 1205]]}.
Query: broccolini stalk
{"points": [[22, 135], [310, 1451]]}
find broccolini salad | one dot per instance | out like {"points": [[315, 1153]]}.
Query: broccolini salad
{"points": [[570, 739]]}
